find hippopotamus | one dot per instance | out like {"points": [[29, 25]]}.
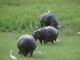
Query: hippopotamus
{"points": [[46, 34], [26, 44], [47, 19]]}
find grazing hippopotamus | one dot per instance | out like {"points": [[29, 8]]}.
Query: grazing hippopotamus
{"points": [[47, 19], [26, 44], [46, 34]]}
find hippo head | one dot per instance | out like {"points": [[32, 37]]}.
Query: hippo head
{"points": [[36, 35]]}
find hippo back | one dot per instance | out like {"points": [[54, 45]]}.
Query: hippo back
{"points": [[26, 41]]}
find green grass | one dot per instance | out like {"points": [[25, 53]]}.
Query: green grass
{"points": [[17, 16], [68, 48]]}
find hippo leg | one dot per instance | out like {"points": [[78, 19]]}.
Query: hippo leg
{"points": [[55, 38], [31, 53], [19, 52], [41, 24], [24, 52], [40, 41], [52, 41], [45, 41]]}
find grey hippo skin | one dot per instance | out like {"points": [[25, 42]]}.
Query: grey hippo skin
{"points": [[26, 44], [47, 19], [46, 34]]}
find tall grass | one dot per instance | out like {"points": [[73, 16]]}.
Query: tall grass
{"points": [[18, 15]]}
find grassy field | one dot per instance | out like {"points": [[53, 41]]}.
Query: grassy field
{"points": [[68, 48], [17, 16]]}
